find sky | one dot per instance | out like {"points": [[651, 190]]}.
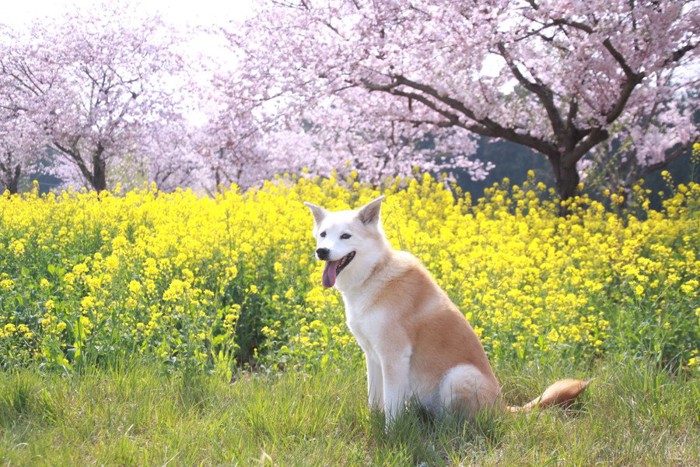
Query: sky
{"points": [[17, 12]]}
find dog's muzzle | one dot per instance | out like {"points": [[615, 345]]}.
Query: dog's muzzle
{"points": [[323, 253]]}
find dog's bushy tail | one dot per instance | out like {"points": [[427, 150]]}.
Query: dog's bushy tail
{"points": [[562, 393]]}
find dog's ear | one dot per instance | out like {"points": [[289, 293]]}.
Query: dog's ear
{"points": [[318, 212], [369, 213]]}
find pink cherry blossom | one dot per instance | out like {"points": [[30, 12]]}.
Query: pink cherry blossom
{"points": [[358, 84], [96, 85]]}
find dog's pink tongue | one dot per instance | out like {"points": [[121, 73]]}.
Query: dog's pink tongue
{"points": [[329, 274]]}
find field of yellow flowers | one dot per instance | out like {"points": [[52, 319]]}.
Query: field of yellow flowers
{"points": [[229, 281]]}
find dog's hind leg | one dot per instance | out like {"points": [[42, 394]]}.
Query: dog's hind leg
{"points": [[465, 389]]}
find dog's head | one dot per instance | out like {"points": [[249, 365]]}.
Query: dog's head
{"points": [[348, 241]]}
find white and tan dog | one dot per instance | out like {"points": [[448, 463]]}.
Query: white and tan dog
{"points": [[416, 342]]}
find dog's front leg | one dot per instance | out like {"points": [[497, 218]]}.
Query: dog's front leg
{"points": [[395, 373], [375, 383]]}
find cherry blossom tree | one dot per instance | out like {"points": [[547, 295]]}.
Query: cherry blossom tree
{"points": [[99, 84], [20, 146], [637, 150], [268, 122], [369, 83], [21, 139]]}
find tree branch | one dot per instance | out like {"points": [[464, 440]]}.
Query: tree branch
{"points": [[77, 158], [543, 93], [594, 137], [483, 126], [680, 53], [676, 152]]}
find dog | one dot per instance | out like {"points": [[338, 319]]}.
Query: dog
{"points": [[417, 344]]}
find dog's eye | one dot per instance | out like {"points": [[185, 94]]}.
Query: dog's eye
{"points": [[345, 236], [323, 234]]}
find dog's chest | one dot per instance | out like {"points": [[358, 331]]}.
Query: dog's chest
{"points": [[365, 323]]}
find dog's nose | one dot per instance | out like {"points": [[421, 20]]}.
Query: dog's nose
{"points": [[323, 253]]}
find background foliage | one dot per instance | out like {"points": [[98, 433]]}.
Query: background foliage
{"points": [[121, 91]]}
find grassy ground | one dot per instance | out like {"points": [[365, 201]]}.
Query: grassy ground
{"points": [[632, 415]]}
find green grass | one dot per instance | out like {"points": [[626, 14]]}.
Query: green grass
{"points": [[137, 415]]}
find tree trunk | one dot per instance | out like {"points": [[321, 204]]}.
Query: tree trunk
{"points": [[567, 180], [99, 172], [11, 175], [13, 185]]}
